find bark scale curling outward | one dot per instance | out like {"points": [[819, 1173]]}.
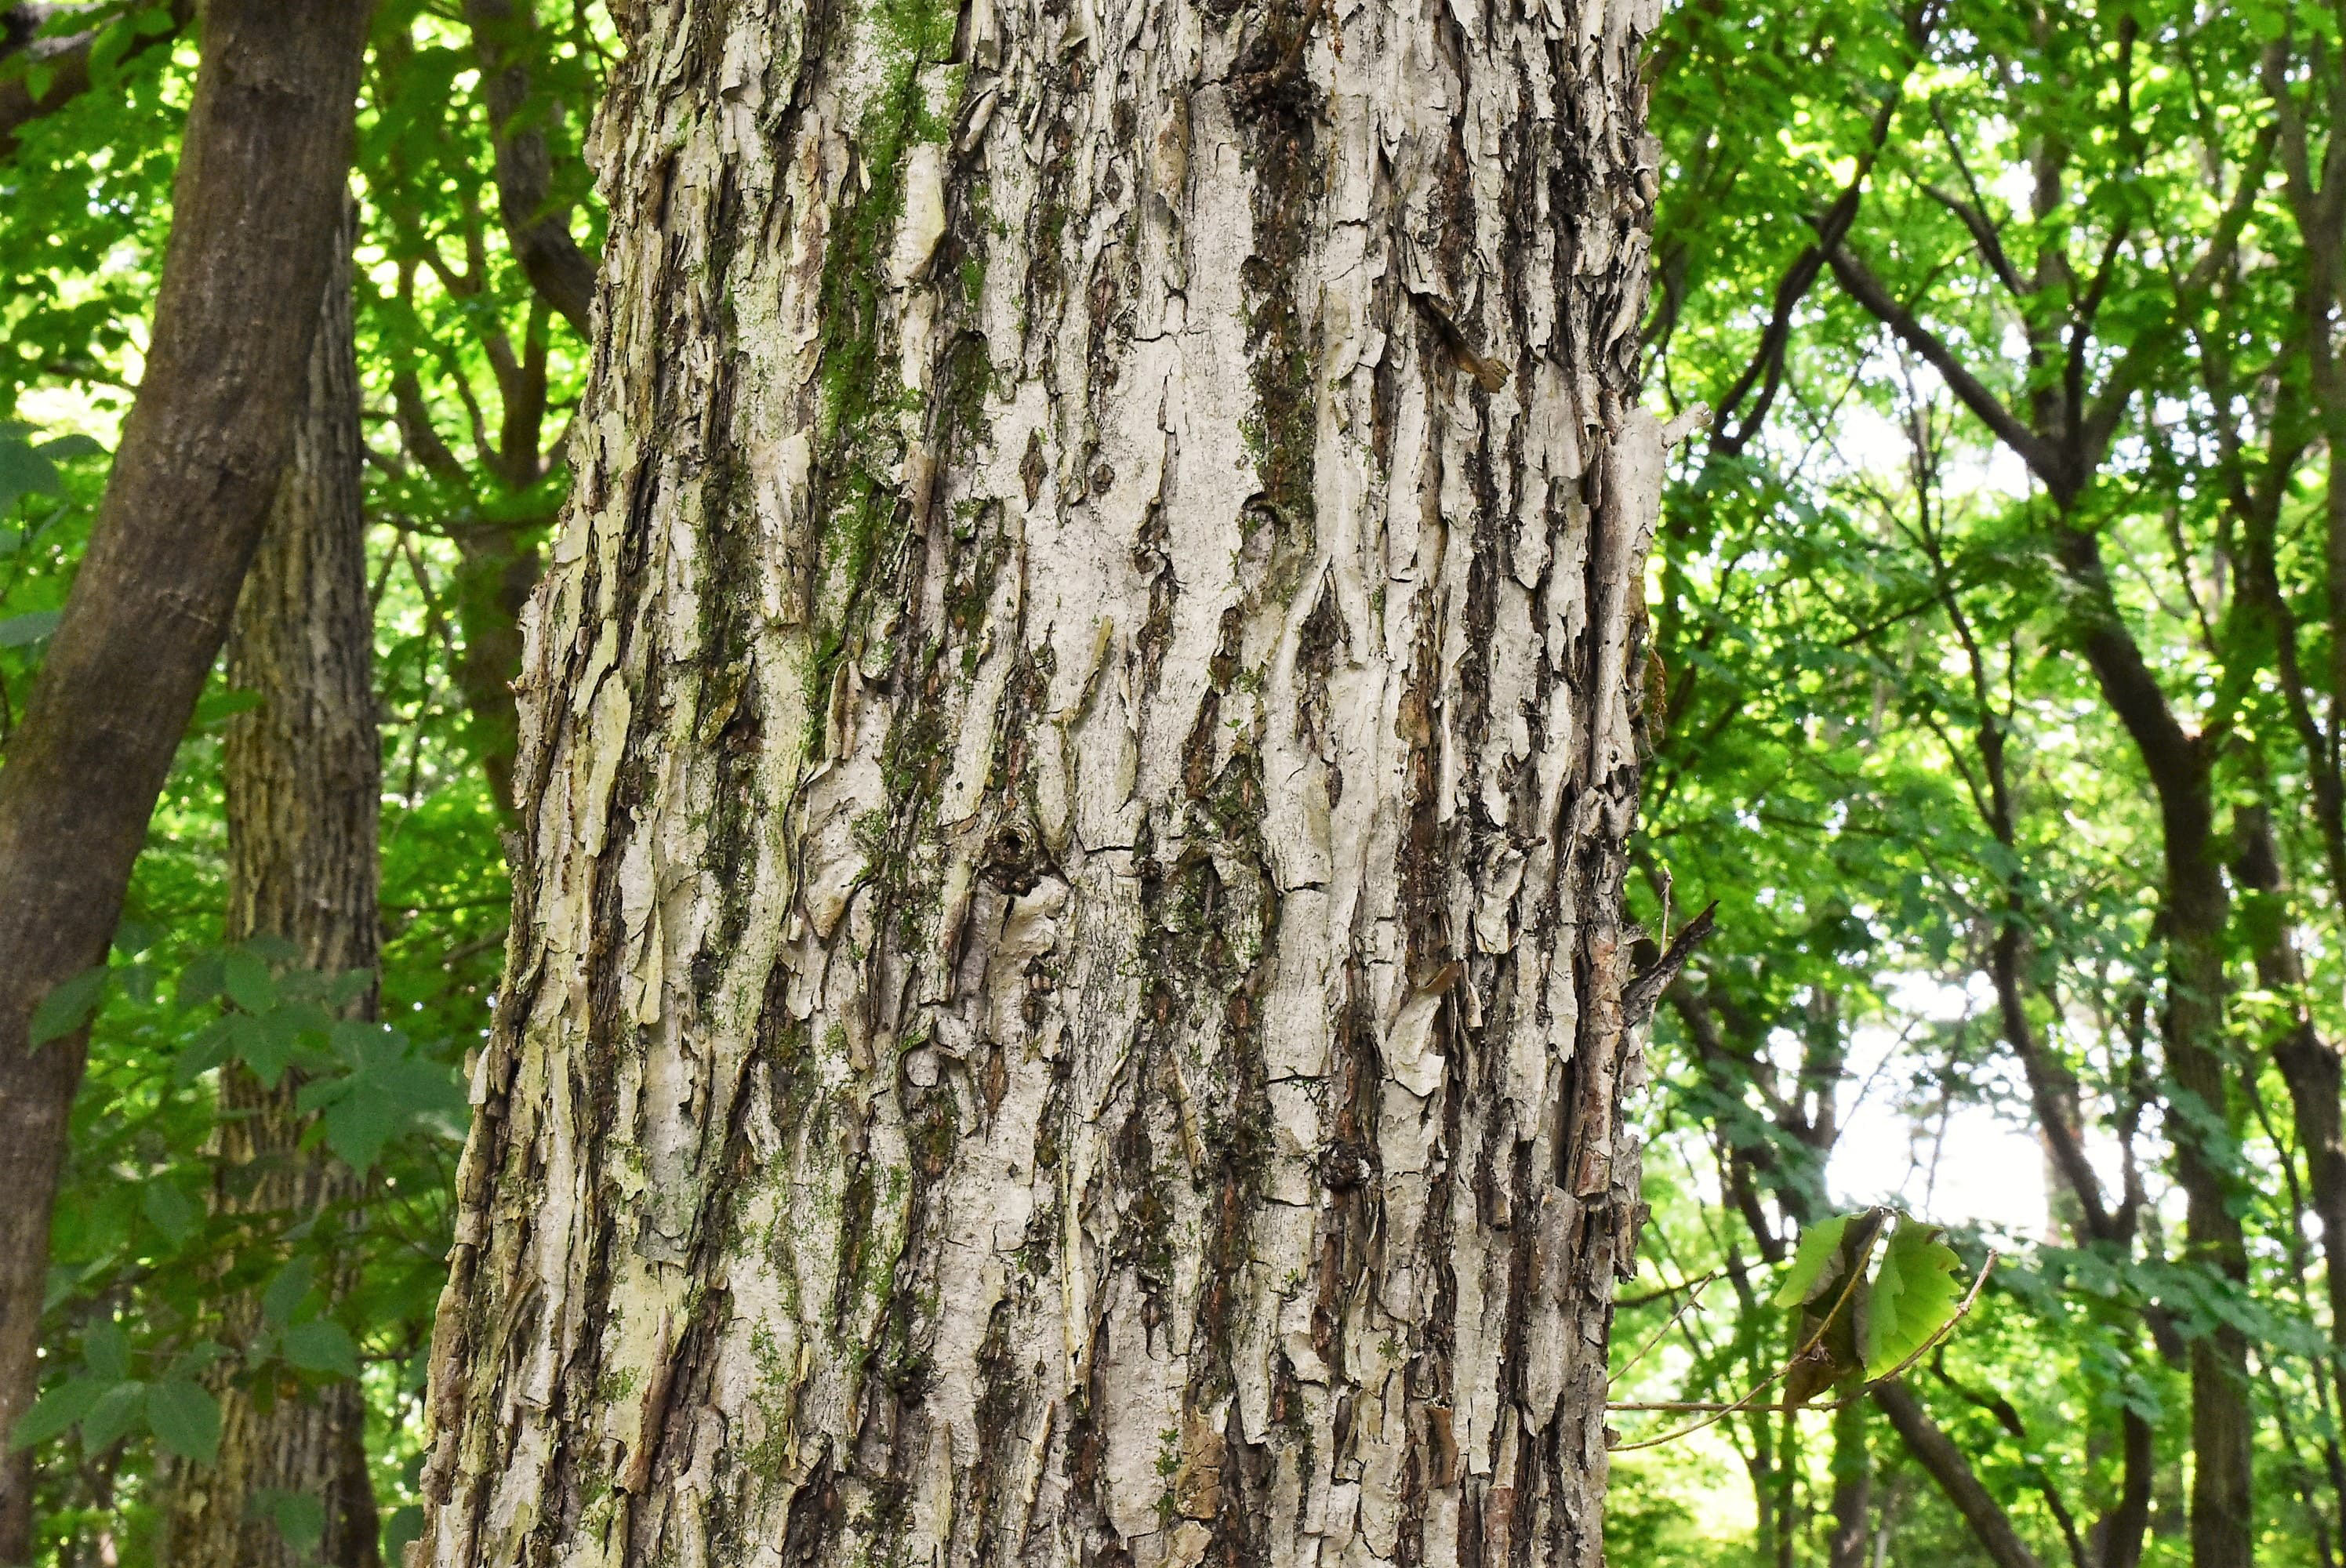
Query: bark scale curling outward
{"points": [[304, 787], [262, 167], [1066, 995]]}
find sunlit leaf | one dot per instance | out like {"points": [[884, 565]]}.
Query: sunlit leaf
{"points": [[1914, 1296], [1816, 1265]]}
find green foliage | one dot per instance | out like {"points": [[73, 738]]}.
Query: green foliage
{"points": [[68, 1005], [468, 379], [185, 1419], [1818, 1266], [1941, 866], [1913, 1296], [300, 1518], [107, 1402]]}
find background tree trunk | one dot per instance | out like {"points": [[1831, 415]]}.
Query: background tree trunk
{"points": [[303, 791], [262, 168], [1067, 995]]}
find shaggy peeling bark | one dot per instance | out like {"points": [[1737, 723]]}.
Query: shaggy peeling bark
{"points": [[303, 779], [1066, 1001]]}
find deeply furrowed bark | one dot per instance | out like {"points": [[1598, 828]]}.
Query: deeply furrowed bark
{"points": [[262, 170], [304, 787], [1065, 1002]]}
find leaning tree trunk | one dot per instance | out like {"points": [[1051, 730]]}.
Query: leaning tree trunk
{"points": [[303, 780], [262, 167], [1066, 994]]}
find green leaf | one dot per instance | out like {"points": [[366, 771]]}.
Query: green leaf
{"points": [[206, 1049], [173, 1212], [105, 1351], [269, 1042], [303, 1016], [1815, 1266], [322, 1345], [24, 469], [244, 975], [349, 987], [214, 708], [301, 1519], [190, 1362], [1914, 1296], [364, 1045], [117, 1413], [186, 1419], [419, 1087], [387, 1087], [285, 1291], [66, 448], [70, 1004], [204, 978], [57, 1411], [358, 1126], [271, 948], [23, 631], [402, 1527], [320, 1092]]}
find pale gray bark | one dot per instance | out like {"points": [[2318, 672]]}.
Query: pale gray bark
{"points": [[1065, 998], [304, 789]]}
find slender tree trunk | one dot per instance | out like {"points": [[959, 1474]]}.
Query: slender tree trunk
{"points": [[537, 225], [2309, 1063], [1853, 1489], [2194, 910], [1944, 1462], [1065, 998], [262, 170], [496, 569], [303, 790], [2198, 906]]}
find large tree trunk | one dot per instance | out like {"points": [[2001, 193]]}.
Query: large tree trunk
{"points": [[303, 780], [1066, 1001], [261, 172]]}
